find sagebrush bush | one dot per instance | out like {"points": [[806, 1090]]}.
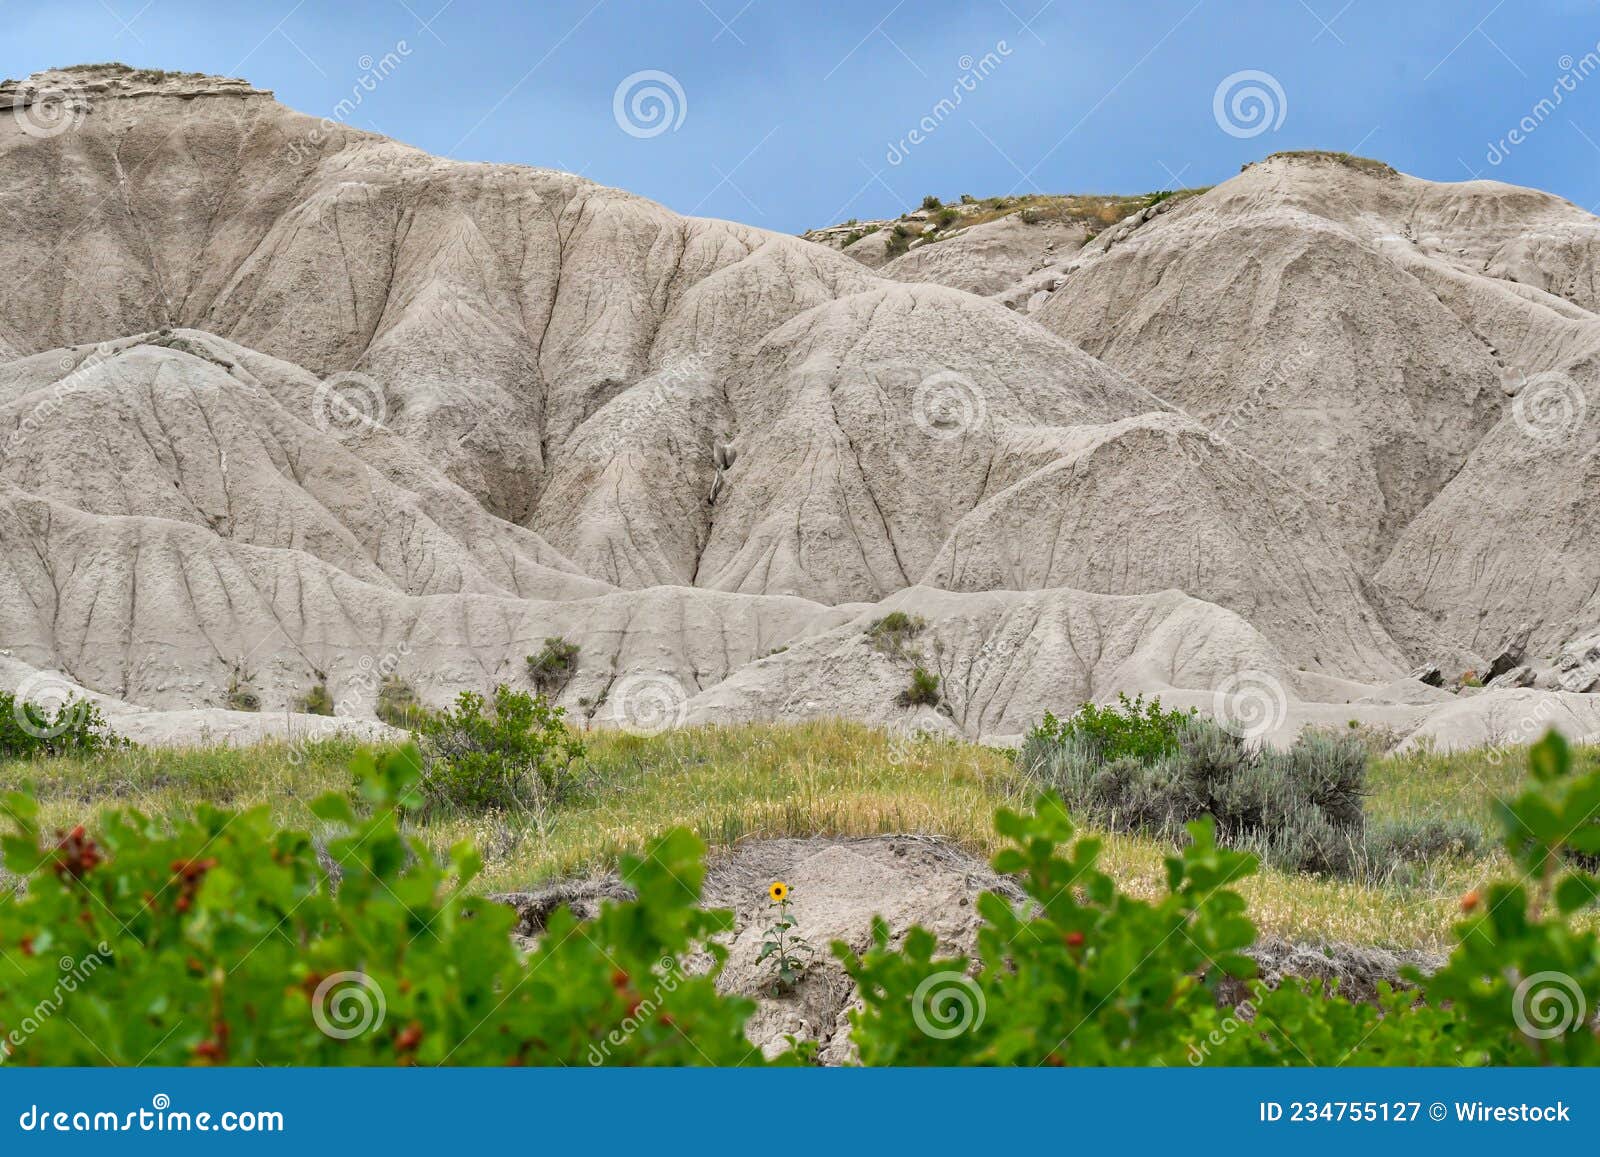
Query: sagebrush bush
{"points": [[29, 730], [511, 751], [1141, 770]]}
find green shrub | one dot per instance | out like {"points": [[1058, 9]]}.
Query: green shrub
{"points": [[317, 700], [923, 690], [1299, 809], [398, 705], [223, 940], [947, 217], [1130, 728], [512, 751], [553, 667], [76, 727], [930, 202]]}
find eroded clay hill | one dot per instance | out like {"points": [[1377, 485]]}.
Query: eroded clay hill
{"points": [[285, 401]]}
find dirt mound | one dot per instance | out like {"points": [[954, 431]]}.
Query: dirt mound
{"points": [[836, 889]]}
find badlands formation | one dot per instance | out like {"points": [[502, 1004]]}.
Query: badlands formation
{"points": [[282, 401]]}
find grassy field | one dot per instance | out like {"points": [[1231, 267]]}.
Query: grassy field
{"points": [[829, 778]]}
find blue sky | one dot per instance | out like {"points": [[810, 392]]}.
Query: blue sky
{"points": [[789, 111]]}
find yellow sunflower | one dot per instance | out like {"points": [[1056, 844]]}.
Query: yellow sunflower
{"points": [[779, 891]]}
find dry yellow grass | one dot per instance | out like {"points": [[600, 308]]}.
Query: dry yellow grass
{"points": [[829, 778]]}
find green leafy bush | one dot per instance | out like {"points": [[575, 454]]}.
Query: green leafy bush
{"points": [[76, 727], [223, 940], [508, 752], [1128, 728], [553, 667], [930, 202]]}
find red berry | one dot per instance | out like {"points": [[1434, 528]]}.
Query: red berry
{"points": [[409, 1038], [1074, 939]]}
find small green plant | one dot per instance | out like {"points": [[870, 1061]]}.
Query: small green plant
{"points": [[511, 751], [398, 705], [553, 667], [893, 633], [76, 727], [930, 203], [317, 700], [240, 695], [947, 217], [968, 199], [923, 690], [790, 953]]}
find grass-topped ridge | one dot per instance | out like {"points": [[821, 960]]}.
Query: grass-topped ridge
{"points": [[1348, 160]]}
